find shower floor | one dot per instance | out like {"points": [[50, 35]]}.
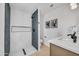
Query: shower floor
{"points": [[29, 51]]}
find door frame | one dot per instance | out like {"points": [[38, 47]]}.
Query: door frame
{"points": [[39, 30]]}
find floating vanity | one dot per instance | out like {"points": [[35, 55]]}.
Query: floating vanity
{"points": [[64, 47]]}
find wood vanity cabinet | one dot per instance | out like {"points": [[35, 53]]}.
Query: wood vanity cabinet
{"points": [[58, 51]]}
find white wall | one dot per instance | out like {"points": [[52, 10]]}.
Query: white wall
{"points": [[20, 40], [2, 8], [66, 18], [41, 25]]}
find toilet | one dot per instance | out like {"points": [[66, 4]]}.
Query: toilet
{"points": [[41, 42]]}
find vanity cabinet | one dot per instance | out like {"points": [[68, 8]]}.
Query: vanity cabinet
{"points": [[58, 51]]}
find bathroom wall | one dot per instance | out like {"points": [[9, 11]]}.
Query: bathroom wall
{"points": [[2, 16], [66, 18], [20, 40], [41, 25]]}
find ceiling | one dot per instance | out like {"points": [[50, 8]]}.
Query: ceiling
{"points": [[31, 7]]}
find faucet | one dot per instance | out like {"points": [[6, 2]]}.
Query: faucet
{"points": [[73, 37]]}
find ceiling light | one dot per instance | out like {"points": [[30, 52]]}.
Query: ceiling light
{"points": [[73, 5], [51, 5]]}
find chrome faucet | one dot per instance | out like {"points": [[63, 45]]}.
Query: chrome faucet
{"points": [[73, 37]]}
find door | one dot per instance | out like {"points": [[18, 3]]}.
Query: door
{"points": [[7, 30], [35, 29]]}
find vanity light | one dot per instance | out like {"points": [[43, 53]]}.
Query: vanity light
{"points": [[73, 6]]}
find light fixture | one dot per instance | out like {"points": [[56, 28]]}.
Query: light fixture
{"points": [[73, 6], [51, 5]]}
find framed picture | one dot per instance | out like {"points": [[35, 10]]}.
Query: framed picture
{"points": [[47, 24], [54, 23]]}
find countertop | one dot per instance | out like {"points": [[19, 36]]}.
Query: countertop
{"points": [[66, 43]]}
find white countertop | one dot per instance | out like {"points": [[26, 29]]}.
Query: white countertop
{"points": [[66, 43]]}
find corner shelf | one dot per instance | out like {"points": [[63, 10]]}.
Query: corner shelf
{"points": [[20, 28]]}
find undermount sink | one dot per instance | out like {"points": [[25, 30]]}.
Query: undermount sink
{"points": [[65, 39]]}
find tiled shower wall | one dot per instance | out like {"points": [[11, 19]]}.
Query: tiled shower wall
{"points": [[20, 40]]}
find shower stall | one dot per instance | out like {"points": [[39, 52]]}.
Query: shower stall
{"points": [[22, 36]]}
